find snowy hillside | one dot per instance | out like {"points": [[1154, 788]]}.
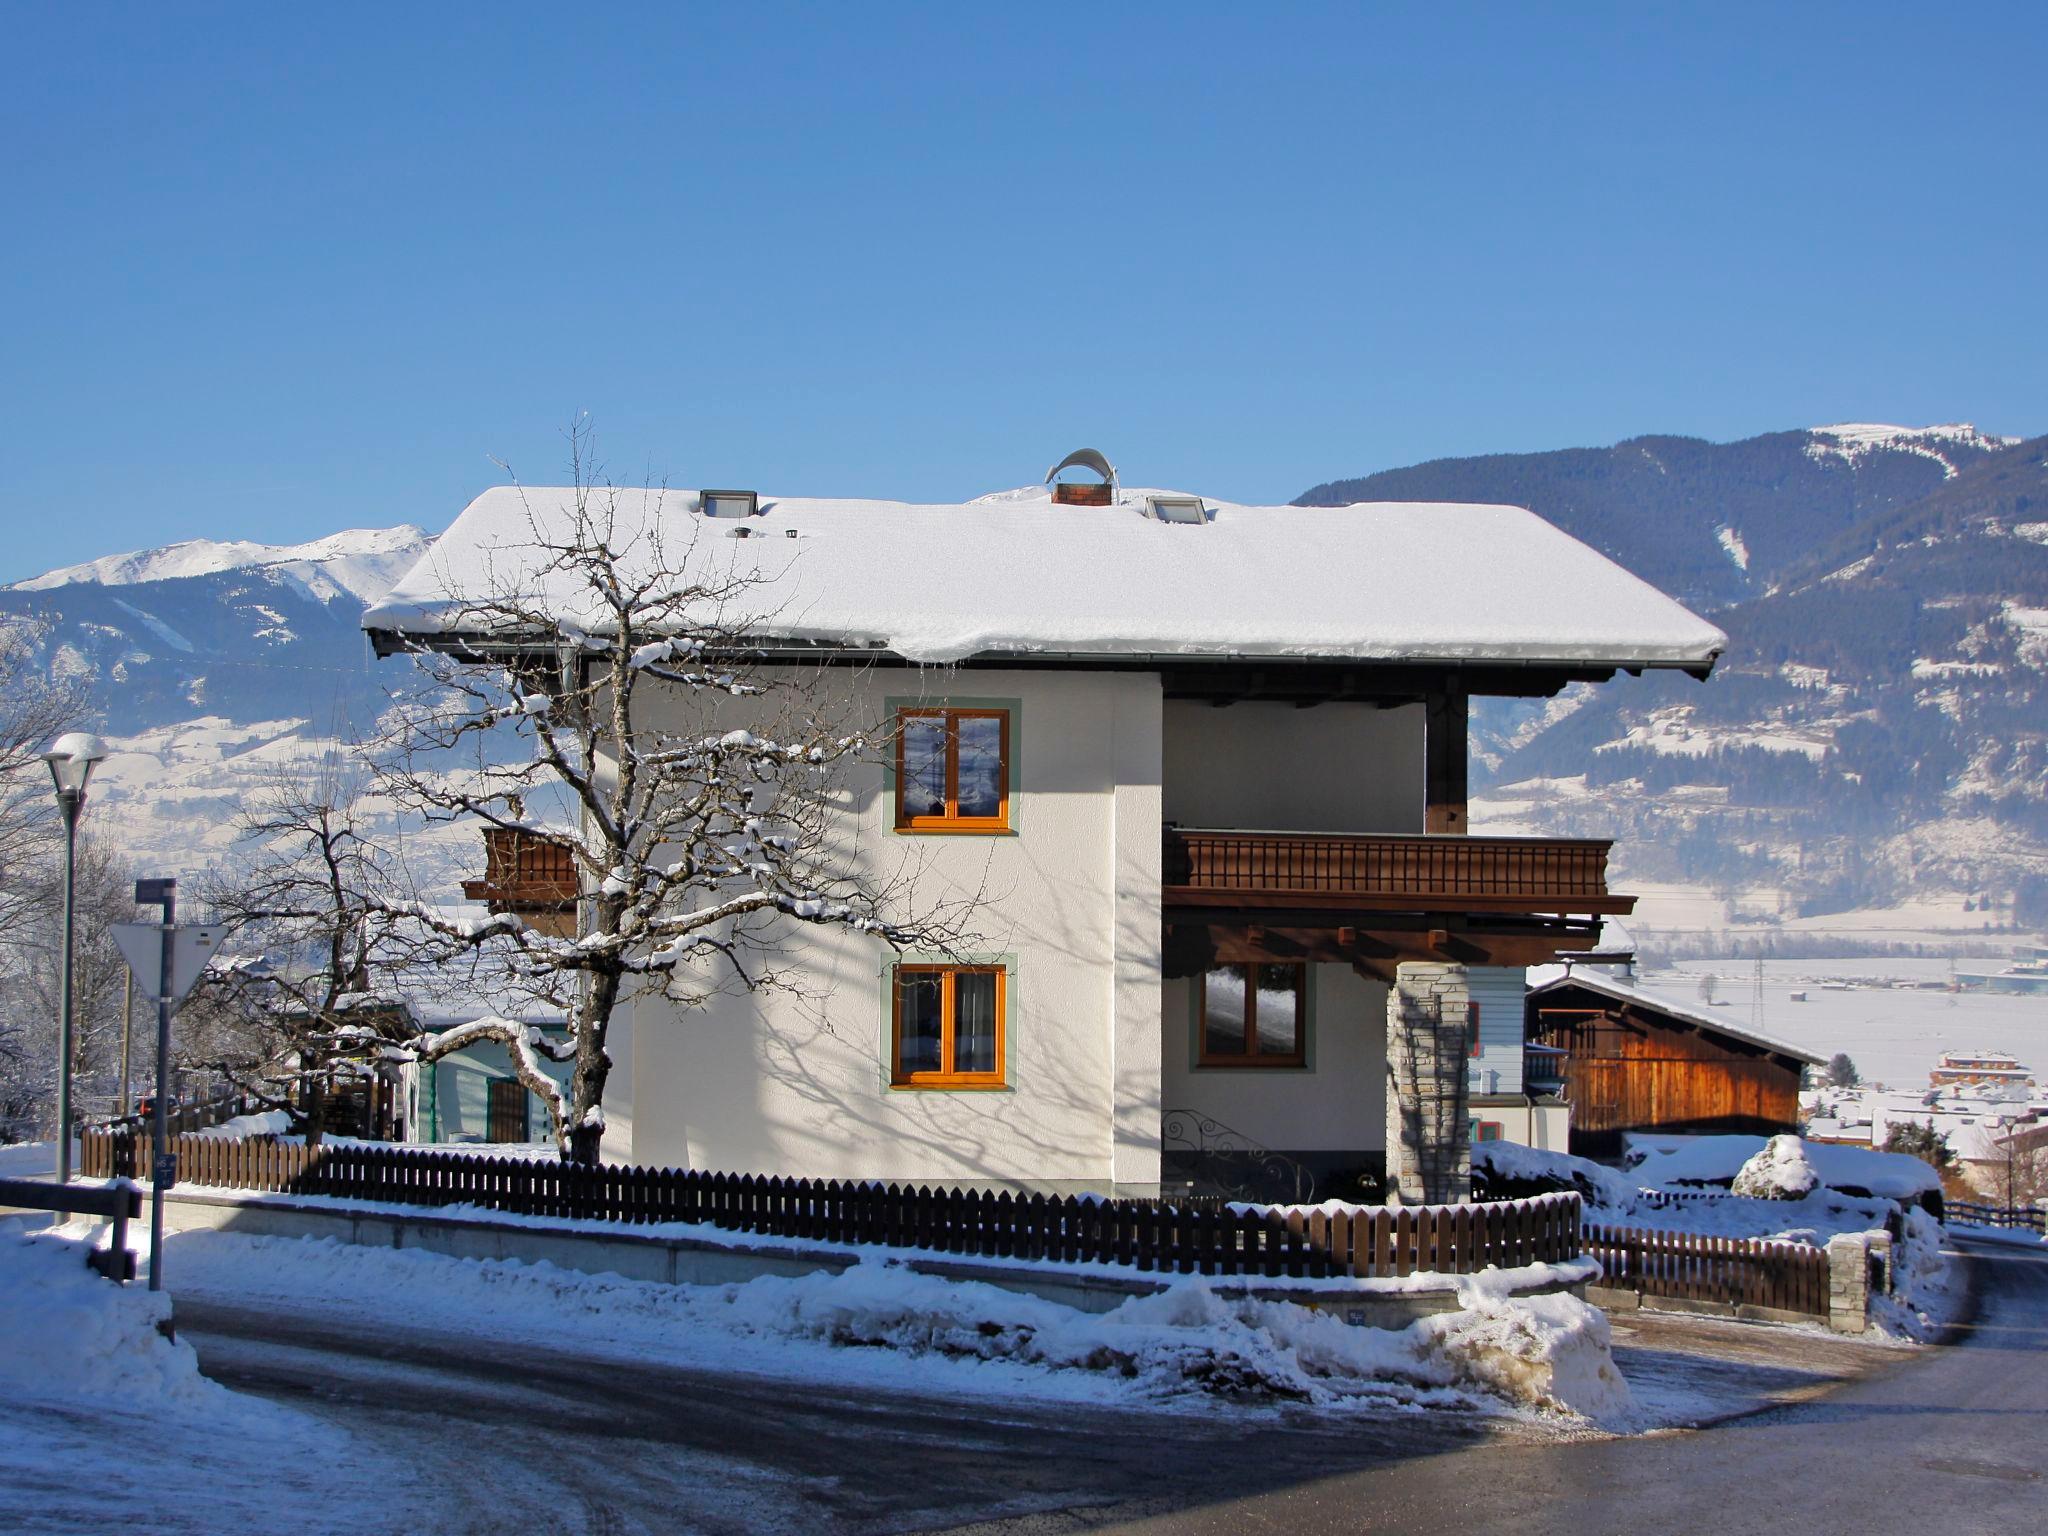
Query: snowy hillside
{"points": [[1875, 740], [214, 668], [362, 562]]}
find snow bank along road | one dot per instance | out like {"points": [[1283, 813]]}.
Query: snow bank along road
{"points": [[1953, 1440]]}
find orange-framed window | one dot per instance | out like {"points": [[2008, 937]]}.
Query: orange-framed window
{"points": [[952, 770], [1253, 1016], [947, 1027]]}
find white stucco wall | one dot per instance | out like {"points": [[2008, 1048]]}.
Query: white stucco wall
{"points": [[1275, 768], [798, 1083], [1335, 1103]]}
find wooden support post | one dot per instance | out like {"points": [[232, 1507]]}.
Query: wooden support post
{"points": [[1445, 759]]}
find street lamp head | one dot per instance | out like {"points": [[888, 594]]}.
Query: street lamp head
{"points": [[72, 757]]}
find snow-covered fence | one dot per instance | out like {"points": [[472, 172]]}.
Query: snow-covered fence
{"points": [[197, 1115], [1148, 1235], [1688, 1266]]}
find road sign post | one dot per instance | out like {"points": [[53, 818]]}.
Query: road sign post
{"points": [[166, 961]]}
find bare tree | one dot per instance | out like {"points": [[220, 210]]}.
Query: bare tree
{"points": [[694, 783], [2017, 1173], [310, 997], [34, 708]]}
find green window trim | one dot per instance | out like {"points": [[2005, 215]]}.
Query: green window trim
{"points": [[885, 1042], [1013, 707]]}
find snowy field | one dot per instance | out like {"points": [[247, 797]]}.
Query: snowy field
{"points": [[1894, 1035]]}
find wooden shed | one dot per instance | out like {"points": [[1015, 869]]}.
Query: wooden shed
{"points": [[1626, 1060]]}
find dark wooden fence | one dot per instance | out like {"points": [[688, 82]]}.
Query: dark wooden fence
{"points": [[1792, 1277], [1149, 1235], [2021, 1218]]}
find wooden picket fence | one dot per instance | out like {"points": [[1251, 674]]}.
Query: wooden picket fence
{"points": [[1791, 1277], [1159, 1236]]}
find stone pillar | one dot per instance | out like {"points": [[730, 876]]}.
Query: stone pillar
{"points": [[1429, 1147], [1849, 1282]]}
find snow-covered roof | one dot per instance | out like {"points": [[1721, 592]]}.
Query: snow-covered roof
{"points": [[1016, 573], [1544, 978]]}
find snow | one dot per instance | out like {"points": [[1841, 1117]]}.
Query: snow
{"points": [[362, 562], [106, 1424], [1854, 441], [1780, 1171], [272, 1122], [27, 1159], [1602, 1186], [1719, 1159], [881, 1325], [66, 1334], [1022, 575], [1730, 540]]}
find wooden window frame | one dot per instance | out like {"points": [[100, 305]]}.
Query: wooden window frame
{"points": [[948, 1015], [950, 820], [1252, 1058]]}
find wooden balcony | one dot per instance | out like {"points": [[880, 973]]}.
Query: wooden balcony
{"points": [[524, 873], [1316, 872]]}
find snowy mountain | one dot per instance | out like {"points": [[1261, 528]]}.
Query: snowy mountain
{"points": [[214, 667], [242, 632], [1875, 739], [1710, 523], [363, 563]]}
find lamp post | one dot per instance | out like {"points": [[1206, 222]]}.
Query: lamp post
{"points": [[71, 757]]}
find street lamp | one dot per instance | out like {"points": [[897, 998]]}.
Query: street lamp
{"points": [[71, 757]]}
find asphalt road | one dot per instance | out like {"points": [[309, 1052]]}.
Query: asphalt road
{"points": [[1948, 1442]]}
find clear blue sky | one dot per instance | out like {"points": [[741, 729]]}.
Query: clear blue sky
{"points": [[270, 271]]}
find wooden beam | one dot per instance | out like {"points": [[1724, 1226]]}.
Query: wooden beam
{"points": [[1446, 759]]}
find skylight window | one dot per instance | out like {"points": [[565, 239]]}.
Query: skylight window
{"points": [[1177, 509], [732, 503]]}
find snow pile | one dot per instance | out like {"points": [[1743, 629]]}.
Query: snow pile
{"points": [[1854, 1170], [272, 1122], [1548, 1353], [66, 1334], [1779, 1172], [1514, 1169], [1812, 1219], [1925, 1297], [882, 1325], [1554, 1351]]}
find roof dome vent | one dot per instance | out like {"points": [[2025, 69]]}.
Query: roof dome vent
{"points": [[1080, 494]]}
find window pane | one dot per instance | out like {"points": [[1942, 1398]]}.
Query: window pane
{"points": [[974, 1021], [924, 765], [981, 765], [918, 1007], [1223, 1011], [1279, 1016]]}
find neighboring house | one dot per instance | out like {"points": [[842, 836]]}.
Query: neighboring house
{"points": [[1206, 763], [473, 1095], [1625, 1060]]}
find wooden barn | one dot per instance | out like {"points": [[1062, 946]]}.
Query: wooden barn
{"points": [[1625, 1060]]}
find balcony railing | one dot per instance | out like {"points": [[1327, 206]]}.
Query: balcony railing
{"points": [[1388, 873], [524, 872]]}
